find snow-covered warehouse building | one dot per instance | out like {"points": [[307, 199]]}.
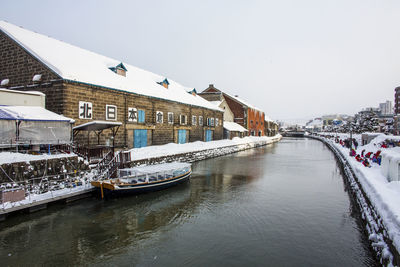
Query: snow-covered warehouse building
{"points": [[86, 87], [245, 114], [33, 126], [232, 129]]}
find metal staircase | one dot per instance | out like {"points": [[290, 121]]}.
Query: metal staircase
{"points": [[108, 166]]}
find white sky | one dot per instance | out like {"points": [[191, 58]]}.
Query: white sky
{"points": [[293, 59]]}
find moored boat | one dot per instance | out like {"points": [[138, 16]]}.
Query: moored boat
{"points": [[144, 179], [299, 133]]}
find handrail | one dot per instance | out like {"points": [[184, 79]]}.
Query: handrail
{"points": [[109, 167], [39, 185]]}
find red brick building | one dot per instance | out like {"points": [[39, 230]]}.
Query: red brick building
{"points": [[248, 116], [92, 89]]}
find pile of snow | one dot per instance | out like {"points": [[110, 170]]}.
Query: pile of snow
{"points": [[173, 149], [61, 193], [383, 193], [12, 157]]}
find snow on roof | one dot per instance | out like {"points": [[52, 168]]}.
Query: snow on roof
{"points": [[243, 101], [77, 64], [248, 105], [234, 127], [266, 118], [21, 92], [158, 167], [30, 113], [316, 122], [97, 125], [217, 103]]}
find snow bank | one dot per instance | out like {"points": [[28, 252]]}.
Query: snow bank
{"points": [[172, 148], [48, 196], [382, 191], [11, 157]]}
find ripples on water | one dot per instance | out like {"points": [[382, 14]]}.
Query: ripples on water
{"points": [[282, 205]]}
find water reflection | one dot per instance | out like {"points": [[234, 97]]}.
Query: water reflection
{"points": [[278, 205]]}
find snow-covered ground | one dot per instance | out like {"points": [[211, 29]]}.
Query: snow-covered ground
{"points": [[382, 191], [56, 194], [11, 157], [173, 149]]}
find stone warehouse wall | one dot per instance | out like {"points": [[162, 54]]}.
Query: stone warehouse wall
{"points": [[158, 133], [22, 171], [19, 66]]}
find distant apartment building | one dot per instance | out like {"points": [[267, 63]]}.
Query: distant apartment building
{"points": [[386, 108]]}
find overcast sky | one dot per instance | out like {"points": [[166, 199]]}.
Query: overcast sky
{"points": [[293, 59]]}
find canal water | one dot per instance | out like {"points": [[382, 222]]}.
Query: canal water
{"points": [[281, 205]]}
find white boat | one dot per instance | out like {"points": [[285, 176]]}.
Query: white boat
{"points": [[145, 179]]}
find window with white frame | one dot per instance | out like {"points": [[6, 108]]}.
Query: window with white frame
{"points": [[159, 117], [85, 110], [194, 120], [111, 112], [183, 119], [211, 121], [132, 114], [216, 122], [170, 117], [201, 120]]}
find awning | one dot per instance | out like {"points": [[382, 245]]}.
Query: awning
{"points": [[33, 125], [30, 113], [96, 126]]}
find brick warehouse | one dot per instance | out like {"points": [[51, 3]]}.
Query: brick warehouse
{"points": [[246, 115], [89, 87]]}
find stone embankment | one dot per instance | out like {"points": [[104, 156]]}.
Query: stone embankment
{"points": [[378, 235], [24, 170], [204, 154]]}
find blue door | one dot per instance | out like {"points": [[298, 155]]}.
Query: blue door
{"points": [[140, 138], [208, 135], [181, 136]]}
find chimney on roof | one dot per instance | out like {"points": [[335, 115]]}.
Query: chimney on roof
{"points": [[236, 95], [211, 85]]}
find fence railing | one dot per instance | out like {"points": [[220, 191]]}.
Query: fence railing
{"points": [[37, 186]]}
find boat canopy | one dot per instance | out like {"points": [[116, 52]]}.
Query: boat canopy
{"points": [[149, 169]]}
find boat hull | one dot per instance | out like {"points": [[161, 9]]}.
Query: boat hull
{"points": [[111, 191]]}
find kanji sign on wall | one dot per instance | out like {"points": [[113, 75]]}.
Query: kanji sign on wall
{"points": [[85, 110], [132, 114], [111, 112]]}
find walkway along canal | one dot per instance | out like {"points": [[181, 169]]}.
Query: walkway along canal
{"points": [[285, 204]]}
